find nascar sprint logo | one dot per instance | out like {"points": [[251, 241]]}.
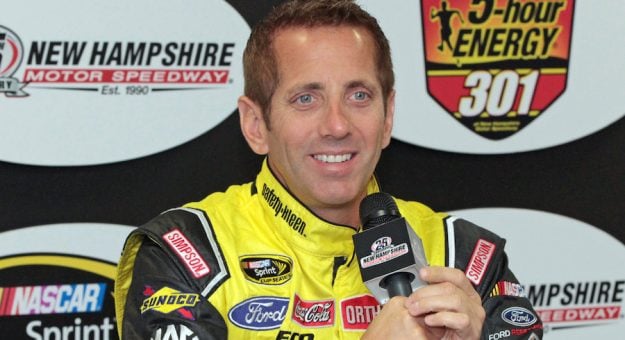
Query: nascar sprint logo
{"points": [[496, 65], [267, 269]]}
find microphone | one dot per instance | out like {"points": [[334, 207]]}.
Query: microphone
{"points": [[389, 252]]}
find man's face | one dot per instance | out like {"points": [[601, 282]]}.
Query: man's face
{"points": [[327, 121]]}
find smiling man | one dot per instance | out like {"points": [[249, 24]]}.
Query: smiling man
{"points": [[274, 259]]}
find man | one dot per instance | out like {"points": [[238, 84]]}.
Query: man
{"points": [[274, 259]]}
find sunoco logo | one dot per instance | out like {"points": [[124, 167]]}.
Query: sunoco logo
{"points": [[167, 300], [496, 65]]}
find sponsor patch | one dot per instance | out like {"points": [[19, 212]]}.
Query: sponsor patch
{"points": [[187, 253], [267, 269], [495, 66], [286, 214], [259, 313], [286, 335], [518, 316], [174, 331], [358, 312], [482, 254], [167, 300], [318, 313], [523, 331], [499, 335], [506, 288]]}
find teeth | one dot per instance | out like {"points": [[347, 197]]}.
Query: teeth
{"points": [[333, 158]]}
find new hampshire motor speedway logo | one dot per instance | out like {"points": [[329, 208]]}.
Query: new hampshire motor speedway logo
{"points": [[111, 67], [11, 54], [496, 65]]}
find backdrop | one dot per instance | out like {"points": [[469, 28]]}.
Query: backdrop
{"points": [[509, 113]]}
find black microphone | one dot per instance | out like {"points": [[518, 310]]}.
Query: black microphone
{"points": [[389, 252]]}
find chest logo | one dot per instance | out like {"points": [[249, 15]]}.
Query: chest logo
{"points": [[267, 269], [259, 313]]}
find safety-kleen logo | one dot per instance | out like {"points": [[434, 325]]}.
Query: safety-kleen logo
{"points": [[496, 65]]}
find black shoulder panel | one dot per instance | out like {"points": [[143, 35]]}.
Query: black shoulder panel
{"points": [[476, 251], [187, 236]]}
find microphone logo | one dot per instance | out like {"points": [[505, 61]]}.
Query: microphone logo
{"points": [[383, 250], [381, 243]]}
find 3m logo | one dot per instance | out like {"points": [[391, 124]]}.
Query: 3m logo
{"points": [[187, 253], [482, 254], [496, 65]]}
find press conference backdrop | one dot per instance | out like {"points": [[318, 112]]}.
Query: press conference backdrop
{"points": [[509, 113]]}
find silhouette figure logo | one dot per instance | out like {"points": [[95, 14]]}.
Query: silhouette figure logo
{"points": [[496, 65]]}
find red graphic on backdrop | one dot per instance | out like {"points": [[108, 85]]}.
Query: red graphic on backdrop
{"points": [[496, 65]]}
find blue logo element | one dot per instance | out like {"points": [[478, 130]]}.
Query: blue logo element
{"points": [[259, 313], [518, 316]]}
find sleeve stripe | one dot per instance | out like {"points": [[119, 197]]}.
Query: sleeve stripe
{"points": [[451, 241], [223, 272]]}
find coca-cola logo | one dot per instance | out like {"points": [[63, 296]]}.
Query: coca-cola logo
{"points": [[518, 316], [259, 313], [313, 313]]}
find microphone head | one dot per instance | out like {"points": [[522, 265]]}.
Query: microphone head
{"points": [[376, 209]]}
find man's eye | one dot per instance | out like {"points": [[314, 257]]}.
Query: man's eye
{"points": [[304, 99], [360, 95]]}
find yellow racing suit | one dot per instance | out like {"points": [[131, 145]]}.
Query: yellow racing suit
{"points": [[254, 263]]}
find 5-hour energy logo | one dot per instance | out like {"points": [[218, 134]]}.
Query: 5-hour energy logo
{"points": [[112, 67], [496, 65]]}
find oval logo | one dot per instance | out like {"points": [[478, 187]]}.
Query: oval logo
{"points": [[119, 88], [259, 313], [267, 269], [518, 316]]}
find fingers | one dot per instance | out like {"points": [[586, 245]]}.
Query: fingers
{"points": [[449, 302], [451, 275]]}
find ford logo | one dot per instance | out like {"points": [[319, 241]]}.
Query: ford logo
{"points": [[259, 313], [518, 316]]}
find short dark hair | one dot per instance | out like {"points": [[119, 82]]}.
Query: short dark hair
{"points": [[259, 60]]}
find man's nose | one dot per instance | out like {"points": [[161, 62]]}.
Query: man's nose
{"points": [[336, 121]]}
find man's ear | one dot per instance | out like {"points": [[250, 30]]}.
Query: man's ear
{"points": [[253, 125]]}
